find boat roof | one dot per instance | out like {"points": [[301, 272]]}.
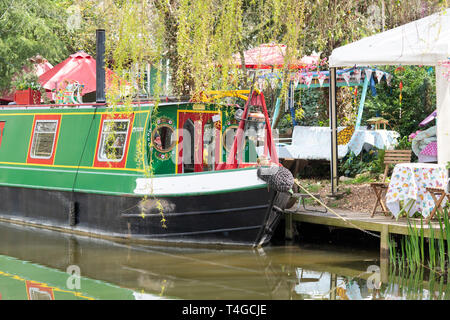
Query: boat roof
{"points": [[85, 105]]}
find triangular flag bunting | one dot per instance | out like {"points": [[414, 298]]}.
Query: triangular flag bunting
{"points": [[261, 82], [379, 74], [273, 83], [357, 74], [296, 80], [346, 76], [308, 79], [321, 78], [368, 73], [388, 79]]}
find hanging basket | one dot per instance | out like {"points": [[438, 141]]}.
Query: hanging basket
{"points": [[28, 96]]}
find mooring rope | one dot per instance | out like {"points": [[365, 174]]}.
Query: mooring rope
{"points": [[334, 212]]}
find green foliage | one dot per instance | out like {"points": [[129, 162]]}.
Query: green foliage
{"points": [[418, 98], [27, 80], [315, 104], [403, 144], [371, 162], [28, 28], [415, 254]]}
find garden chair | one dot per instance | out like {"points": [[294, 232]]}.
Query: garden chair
{"points": [[438, 195], [390, 157]]}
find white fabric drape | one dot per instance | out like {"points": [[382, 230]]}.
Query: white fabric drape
{"points": [[422, 42]]}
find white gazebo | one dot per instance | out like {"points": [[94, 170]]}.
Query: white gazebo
{"points": [[422, 42]]}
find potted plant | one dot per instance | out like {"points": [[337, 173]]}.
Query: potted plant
{"points": [[28, 89]]}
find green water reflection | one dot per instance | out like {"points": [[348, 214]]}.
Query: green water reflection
{"points": [[33, 265]]}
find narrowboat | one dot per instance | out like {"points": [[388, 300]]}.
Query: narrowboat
{"points": [[173, 172], [136, 174]]}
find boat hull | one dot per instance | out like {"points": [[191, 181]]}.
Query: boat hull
{"points": [[242, 217]]}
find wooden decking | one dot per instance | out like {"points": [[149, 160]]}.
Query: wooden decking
{"points": [[385, 225], [360, 220]]}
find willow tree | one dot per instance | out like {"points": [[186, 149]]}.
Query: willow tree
{"points": [[26, 29], [200, 37]]}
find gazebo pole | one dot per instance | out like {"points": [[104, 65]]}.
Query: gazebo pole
{"points": [[276, 112], [290, 102], [333, 127]]}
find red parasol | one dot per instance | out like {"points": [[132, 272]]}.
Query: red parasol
{"points": [[78, 67], [271, 55]]}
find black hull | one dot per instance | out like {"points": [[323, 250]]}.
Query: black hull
{"points": [[242, 218]]}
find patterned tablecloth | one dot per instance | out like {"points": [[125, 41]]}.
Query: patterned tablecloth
{"points": [[409, 182]]}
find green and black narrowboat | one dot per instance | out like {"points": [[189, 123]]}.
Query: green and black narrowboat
{"points": [[60, 168], [165, 172]]}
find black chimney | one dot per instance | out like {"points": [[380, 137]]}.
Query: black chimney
{"points": [[100, 70]]}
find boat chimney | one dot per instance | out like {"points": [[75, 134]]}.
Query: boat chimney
{"points": [[100, 66]]}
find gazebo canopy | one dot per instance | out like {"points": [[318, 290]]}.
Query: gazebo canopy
{"points": [[422, 42]]}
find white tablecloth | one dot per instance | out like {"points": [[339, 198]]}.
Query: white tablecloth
{"points": [[381, 139], [409, 182], [314, 143]]}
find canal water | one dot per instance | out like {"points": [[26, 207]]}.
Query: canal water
{"points": [[41, 264]]}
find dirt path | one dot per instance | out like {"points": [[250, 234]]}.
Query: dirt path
{"points": [[356, 197]]}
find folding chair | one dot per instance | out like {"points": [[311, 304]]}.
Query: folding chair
{"points": [[390, 157], [441, 194]]}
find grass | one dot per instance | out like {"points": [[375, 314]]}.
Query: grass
{"points": [[414, 251], [313, 187], [358, 180]]}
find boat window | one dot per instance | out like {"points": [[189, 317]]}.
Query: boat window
{"points": [[209, 146], [188, 146], [43, 139], [163, 138], [113, 140]]}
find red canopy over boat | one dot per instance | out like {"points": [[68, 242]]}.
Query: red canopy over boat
{"points": [[271, 55], [78, 67]]}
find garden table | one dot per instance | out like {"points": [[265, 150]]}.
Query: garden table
{"points": [[408, 185]]}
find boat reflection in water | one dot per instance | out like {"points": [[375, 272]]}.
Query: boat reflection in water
{"points": [[42, 264]]}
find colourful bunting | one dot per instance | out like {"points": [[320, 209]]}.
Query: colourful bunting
{"points": [[388, 79], [308, 79], [379, 74], [346, 76], [368, 73], [357, 74], [321, 78]]}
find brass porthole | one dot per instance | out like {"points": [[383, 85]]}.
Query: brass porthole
{"points": [[228, 137], [163, 138]]}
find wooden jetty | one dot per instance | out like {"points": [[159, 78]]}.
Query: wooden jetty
{"points": [[385, 225]]}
